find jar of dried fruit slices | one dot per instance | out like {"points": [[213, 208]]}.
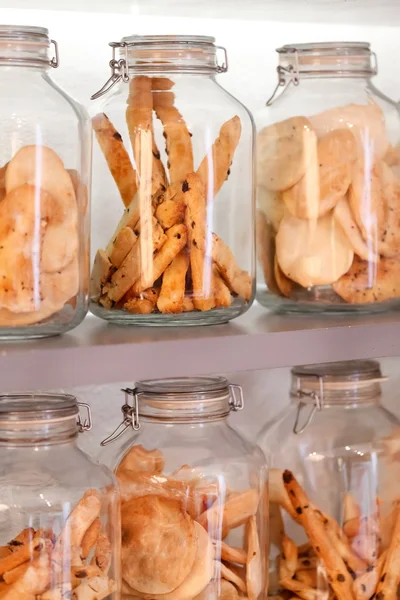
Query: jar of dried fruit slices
{"points": [[193, 494], [328, 177], [173, 186], [59, 511], [45, 155], [334, 486]]}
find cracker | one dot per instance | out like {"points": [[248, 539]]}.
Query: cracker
{"points": [[271, 204], [123, 244], [265, 245], [94, 588], [391, 158], [285, 151], [215, 167], [344, 216], [117, 157], [177, 137], [173, 284], [366, 282], [238, 280], [103, 552], [367, 202]]}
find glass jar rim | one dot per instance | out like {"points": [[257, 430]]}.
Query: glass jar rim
{"points": [[36, 407], [177, 386], [138, 40], [24, 33], [352, 48], [25, 45]]}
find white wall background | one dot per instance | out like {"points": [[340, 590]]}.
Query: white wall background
{"points": [[84, 52]]}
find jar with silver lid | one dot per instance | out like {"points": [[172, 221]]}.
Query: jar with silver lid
{"points": [[328, 184], [45, 165], [334, 484], [173, 224], [59, 510], [193, 493]]}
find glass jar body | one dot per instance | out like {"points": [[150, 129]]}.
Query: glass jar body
{"points": [[344, 460], [62, 510], [207, 478], [45, 154], [327, 241], [175, 205]]}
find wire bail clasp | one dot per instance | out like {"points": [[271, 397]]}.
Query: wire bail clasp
{"points": [[222, 68], [131, 417], [55, 61], [236, 400], [283, 81], [86, 423], [318, 403], [119, 70]]}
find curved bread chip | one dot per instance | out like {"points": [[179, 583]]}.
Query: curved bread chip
{"points": [[140, 459], [271, 204], [367, 202], [235, 512], [365, 282], [285, 151], [284, 284], [231, 554], [265, 237], [254, 569], [389, 244], [343, 215], [313, 253], [159, 544], [235, 575]]}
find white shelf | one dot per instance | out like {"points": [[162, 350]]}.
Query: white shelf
{"points": [[97, 353]]}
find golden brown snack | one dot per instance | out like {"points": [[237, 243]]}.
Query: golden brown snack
{"points": [[123, 244], [313, 252], [161, 84], [285, 151], [365, 282], [389, 581], [389, 244], [230, 554], [159, 544], [340, 579], [103, 553], [94, 588], [82, 516], [139, 306], [278, 493], [344, 216], [35, 579], [367, 202], [302, 590], [175, 242], [238, 280], [391, 158], [142, 460], [265, 237], [171, 212], [12, 576], [215, 166], [222, 294], [288, 559], [188, 305], [172, 291], [89, 540], [101, 273], [21, 555], [254, 568], [117, 157], [234, 575], [271, 204], [365, 585], [3, 181], [177, 137], [221, 518], [284, 284]]}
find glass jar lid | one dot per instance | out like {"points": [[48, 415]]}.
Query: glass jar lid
{"points": [[26, 45]]}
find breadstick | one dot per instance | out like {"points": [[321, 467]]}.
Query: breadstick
{"points": [[139, 117], [82, 516], [35, 579], [289, 556], [389, 581], [24, 537], [278, 493], [199, 242], [237, 280], [354, 562], [21, 555], [175, 242], [188, 305], [230, 575], [103, 552], [177, 137], [365, 585], [139, 306], [161, 84], [90, 538], [123, 244], [338, 576], [303, 591], [222, 294], [12, 576], [170, 213], [351, 509], [235, 555], [254, 567], [173, 284], [116, 156], [214, 169]]}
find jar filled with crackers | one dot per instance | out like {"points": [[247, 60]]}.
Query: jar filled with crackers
{"points": [[60, 533], [328, 184], [334, 487], [45, 166], [172, 239], [193, 501]]}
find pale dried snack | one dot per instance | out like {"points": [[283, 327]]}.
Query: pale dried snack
{"points": [[254, 568], [391, 158], [139, 459], [238, 280], [313, 252], [230, 553], [284, 284], [368, 203], [389, 243], [302, 199], [365, 282], [82, 516], [234, 575], [94, 588], [344, 216], [159, 544], [288, 558], [227, 591], [271, 204], [35, 579], [122, 246], [285, 151], [90, 538], [173, 285], [221, 518], [3, 181], [366, 122], [265, 237], [101, 273]]}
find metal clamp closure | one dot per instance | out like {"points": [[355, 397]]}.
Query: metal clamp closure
{"points": [[292, 70], [55, 61], [86, 423], [318, 403], [224, 66], [131, 417], [119, 70], [236, 400]]}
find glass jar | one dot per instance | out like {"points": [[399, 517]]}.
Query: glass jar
{"points": [[59, 510], [328, 177], [334, 484], [193, 493], [45, 156], [173, 185]]}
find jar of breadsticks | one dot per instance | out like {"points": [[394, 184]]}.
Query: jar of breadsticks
{"points": [[328, 173], [45, 155], [334, 486], [173, 187], [193, 506], [59, 510]]}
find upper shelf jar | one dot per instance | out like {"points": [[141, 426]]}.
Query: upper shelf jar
{"points": [[173, 186], [45, 151], [328, 219]]}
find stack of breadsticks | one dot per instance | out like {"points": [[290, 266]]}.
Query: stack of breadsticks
{"points": [[39, 239], [359, 560], [174, 531], [329, 206], [38, 565], [164, 256]]}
